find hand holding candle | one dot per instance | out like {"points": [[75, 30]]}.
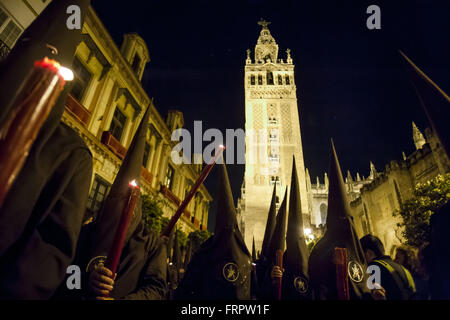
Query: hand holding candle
{"points": [[279, 280]]}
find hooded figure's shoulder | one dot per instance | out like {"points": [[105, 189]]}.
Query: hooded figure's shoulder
{"points": [[67, 136]]}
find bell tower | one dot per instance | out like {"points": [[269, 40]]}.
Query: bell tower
{"points": [[272, 135]]}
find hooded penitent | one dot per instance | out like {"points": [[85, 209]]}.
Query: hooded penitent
{"points": [[188, 254], [295, 277], [143, 260], [220, 269], [278, 239], [41, 217], [263, 263], [270, 224], [253, 251], [436, 104], [176, 257], [340, 232], [277, 242]]}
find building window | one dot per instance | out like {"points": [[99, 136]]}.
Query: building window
{"points": [[118, 124], [274, 179], [81, 81], [269, 78], [273, 135], [260, 80], [136, 63], [280, 79], [146, 154], [3, 18], [187, 187], [252, 80], [288, 82], [9, 33], [169, 177], [273, 120], [97, 195]]}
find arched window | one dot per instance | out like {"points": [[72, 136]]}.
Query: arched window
{"points": [[280, 79], [260, 80], [288, 82], [252, 80], [269, 77]]}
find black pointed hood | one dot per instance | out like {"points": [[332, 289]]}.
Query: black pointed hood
{"points": [[253, 251], [170, 244], [278, 240], [226, 212], [49, 29], [270, 224], [187, 256], [340, 232], [221, 268], [176, 257], [116, 200], [434, 100], [49, 151], [296, 277]]}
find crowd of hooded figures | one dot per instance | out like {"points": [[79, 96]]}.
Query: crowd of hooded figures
{"points": [[43, 229]]}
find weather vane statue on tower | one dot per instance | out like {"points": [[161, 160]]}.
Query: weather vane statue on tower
{"points": [[263, 23]]}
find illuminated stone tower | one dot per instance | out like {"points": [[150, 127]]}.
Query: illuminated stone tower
{"points": [[272, 135]]}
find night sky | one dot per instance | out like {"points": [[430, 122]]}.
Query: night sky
{"points": [[351, 84]]}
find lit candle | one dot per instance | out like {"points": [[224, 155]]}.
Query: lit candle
{"points": [[112, 260], [194, 189], [28, 111]]}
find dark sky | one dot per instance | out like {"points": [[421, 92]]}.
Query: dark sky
{"points": [[351, 84]]}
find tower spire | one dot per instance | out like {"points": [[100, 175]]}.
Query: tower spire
{"points": [[266, 49], [419, 139]]}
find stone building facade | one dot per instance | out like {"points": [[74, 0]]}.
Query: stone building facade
{"points": [[105, 106], [374, 199], [373, 209]]}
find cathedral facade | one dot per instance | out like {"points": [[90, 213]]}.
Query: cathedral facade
{"points": [[272, 135]]}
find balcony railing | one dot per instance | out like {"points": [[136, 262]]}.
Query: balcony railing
{"points": [[146, 176], [114, 145], [170, 195], [77, 110], [4, 50]]}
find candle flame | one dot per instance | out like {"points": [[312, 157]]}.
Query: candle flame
{"points": [[221, 146], [66, 73], [133, 184]]}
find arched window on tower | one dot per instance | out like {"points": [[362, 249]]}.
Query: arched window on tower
{"points": [[288, 81], [269, 77], [252, 80], [260, 79], [280, 79], [136, 63]]}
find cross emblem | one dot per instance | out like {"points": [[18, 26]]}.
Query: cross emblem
{"points": [[355, 271], [230, 272]]}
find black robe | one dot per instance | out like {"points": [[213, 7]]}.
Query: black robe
{"points": [[142, 271], [41, 218], [205, 277]]}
